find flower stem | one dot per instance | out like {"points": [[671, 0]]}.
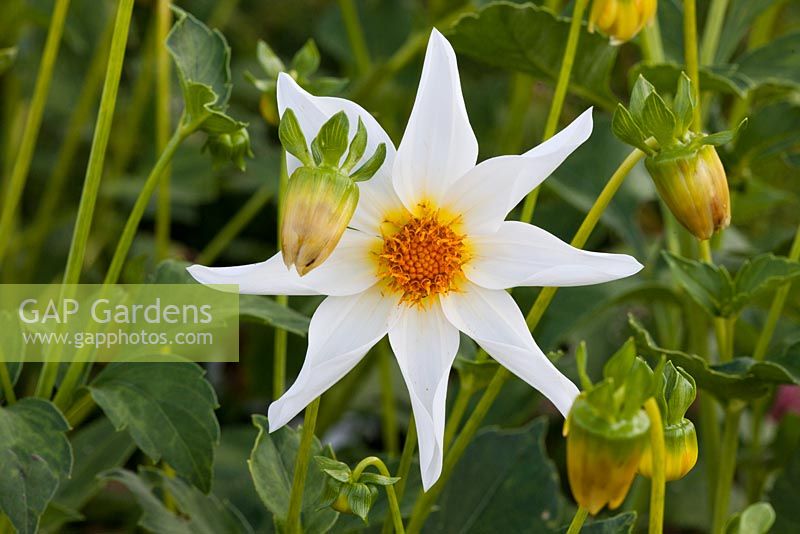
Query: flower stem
{"points": [[389, 426], [727, 467], [425, 501], [22, 164], [690, 52], [652, 44], [403, 469], [94, 171], [456, 414], [293, 525], [281, 336], [394, 505], [5, 382], [355, 34], [236, 224], [658, 482], [712, 31], [578, 520], [163, 126], [560, 93]]}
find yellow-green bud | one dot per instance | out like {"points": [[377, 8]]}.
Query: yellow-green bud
{"points": [[233, 147], [602, 455], [695, 188], [621, 20], [680, 442], [319, 204]]}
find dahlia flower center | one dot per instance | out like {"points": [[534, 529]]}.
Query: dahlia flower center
{"points": [[422, 258]]}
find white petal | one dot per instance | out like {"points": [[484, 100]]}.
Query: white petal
{"points": [[520, 254], [312, 112], [350, 269], [342, 330], [486, 194], [493, 320], [425, 345], [438, 146], [269, 277]]}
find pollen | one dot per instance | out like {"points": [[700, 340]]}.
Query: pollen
{"points": [[422, 258]]}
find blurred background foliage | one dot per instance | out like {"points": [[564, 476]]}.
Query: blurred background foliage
{"points": [[763, 168]]}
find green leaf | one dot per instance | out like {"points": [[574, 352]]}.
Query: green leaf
{"points": [[708, 285], [168, 408], [504, 483], [97, 447], [292, 138], [272, 468], [719, 79], [531, 39], [306, 61], [331, 141], [762, 273], [757, 518], [269, 60], [371, 166], [378, 479], [659, 120], [334, 468], [628, 130], [474, 374], [783, 497], [739, 19], [34, 456], [7, 58], [776, 63], [642, 89], [196, 512], [741, 378], [684, 104]]}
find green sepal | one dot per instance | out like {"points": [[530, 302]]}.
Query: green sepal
{"points": [[331, 141], [757, 518], [627, 129], [360, 498], [371, 166], [333, 468], [642, 89], [721, 138], [357, 147], [659, 120], [306, 60], [378, 479], [292, 138], [581, 357], [269, 60], [230, 147], [619, 364], [678, 393], [684, 104]]}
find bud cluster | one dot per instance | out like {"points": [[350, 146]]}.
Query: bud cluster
{"points": [[322, 194], [351, 492], [621, 20], [684, 164]]}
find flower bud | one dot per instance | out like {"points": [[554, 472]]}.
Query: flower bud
{"points": [[695, 188], [602, 454], [621, 20], [233, 147], [680, 442], [319, 204]]}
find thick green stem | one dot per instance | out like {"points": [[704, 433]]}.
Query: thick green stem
{"points": [[22, 164], [80, 409], [293, 525], [456, 414], [355, 34], [690, 52], [560, 93], [727, 468], [578, 520], [712, 31], [652, 44], [94, 170], [5, 383], [658, 482], [394, 504], [236, 224], [163, 123], [426, 500], [403, 468], [281, 336], [389, 426], [520, 98]]}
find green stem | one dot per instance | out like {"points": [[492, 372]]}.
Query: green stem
{"points": [[720, 328], [456, 414], [293, 525], [560, 93], [690, 52], [394, 504], [712, 31], [355, 34], [553, 5], [658, 481], [94, 170], [388, 414], [520, 98], [80, 409], [578, 520], [236, 224], [163, 126], [652, 44], [5, 382], [281, 336], [30, 134], [727, 467], [425, 501], [403, 467], [52, 195]]}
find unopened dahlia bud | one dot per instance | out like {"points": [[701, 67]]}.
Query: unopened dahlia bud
{"points": [[680, 443], [230, 147], [603, 455], [695, 188], [321, 195], [621, 20]]}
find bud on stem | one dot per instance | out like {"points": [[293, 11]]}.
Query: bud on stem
{"points": [[621, 20]]}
